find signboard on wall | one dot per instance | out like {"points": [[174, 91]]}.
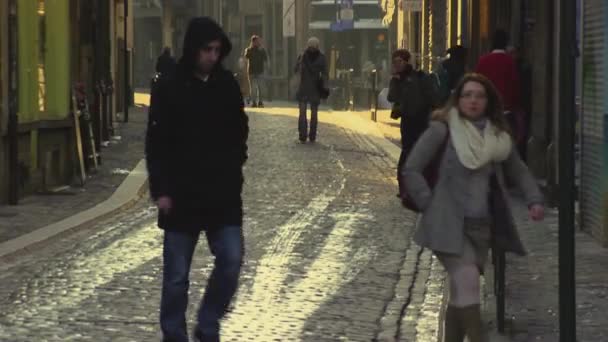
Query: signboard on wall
{"points": [[347, 13], [412, 5], [345, 17], [289, 18]]}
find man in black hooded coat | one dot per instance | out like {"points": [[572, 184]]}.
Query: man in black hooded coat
{"points": [[196, 146]]}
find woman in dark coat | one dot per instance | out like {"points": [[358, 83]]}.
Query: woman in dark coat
{"points": [[312, 67], [468, 210]]}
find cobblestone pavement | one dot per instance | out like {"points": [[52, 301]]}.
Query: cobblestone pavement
{"points": [[120, 157], [329, 255]]}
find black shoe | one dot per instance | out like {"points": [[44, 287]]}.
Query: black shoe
{"points": [[254, 105], [312, 139], [261, 104], [199, 337], [303, 140]]}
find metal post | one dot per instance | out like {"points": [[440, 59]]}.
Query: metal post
{"points": [[567, 281], [13, 119], [374, 99], [110, 104], [106, 112], [220, 14], [499, 287], [126, 101], [351, 95], [337, 10]]}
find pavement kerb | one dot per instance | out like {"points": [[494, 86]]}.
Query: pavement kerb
{"points": [[373, 132], [127, 194]]}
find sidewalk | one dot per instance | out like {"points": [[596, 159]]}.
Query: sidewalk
{"points": [[118, 160], [532, 292], [532, 302]]}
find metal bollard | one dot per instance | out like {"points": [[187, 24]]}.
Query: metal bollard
{"points": [[104, 113], [374, 81], [97, 120], [110, 102], [351, 95]]}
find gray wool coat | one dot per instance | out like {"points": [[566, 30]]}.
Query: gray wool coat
{"points": [[441, 225]]}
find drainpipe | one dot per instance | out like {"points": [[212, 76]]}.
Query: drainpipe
{"points": [[567, 193], [127, 100], [13, 119]]}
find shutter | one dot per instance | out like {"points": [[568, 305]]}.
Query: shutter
{"points": [[593, 190]]}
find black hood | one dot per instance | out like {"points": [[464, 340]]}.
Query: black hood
{"points": [[201, 31]]}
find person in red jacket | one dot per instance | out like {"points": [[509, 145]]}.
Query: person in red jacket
{"points": [[499, 67]]}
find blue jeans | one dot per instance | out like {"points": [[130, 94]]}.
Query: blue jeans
{"points": [[256, 86], [303, 122], [226, 244]]}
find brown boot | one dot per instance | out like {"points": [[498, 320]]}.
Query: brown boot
{"points": [[470, 318], [453, 330]]}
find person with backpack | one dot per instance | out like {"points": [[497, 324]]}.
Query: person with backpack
{"points": [[467, 211], [312, 70], [413, 96], [499, 67], [451, 71]]}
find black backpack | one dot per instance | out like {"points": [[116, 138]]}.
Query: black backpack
{"points": [[319, 83]]}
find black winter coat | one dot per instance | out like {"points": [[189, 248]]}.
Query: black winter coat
{"points": [[416, 98], [311, 67], [196, 146]]}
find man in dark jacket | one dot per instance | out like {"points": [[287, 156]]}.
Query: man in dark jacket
{"points": [[413, 96], [165, 64], [196, 146], [451, 71], [257, 58]]}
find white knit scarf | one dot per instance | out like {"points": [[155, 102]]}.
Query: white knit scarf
{"points": [[475, 149]]}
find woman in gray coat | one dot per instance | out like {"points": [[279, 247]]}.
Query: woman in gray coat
{"points": [[468, 210], [312, 68]]}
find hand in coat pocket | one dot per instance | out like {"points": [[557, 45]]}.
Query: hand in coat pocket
{"points": [[164, 204], [537, 212]]}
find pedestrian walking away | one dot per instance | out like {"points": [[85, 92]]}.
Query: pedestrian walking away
{"points": [[312, 68], [257, 59], [413, 98], [165, 64], [451, 71], [196, 146], [468, 211], [500, 68]]}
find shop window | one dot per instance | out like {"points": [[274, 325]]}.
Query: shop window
{"points": [[41, 55]]}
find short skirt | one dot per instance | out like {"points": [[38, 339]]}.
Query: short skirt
{"points": [[477, 243]]}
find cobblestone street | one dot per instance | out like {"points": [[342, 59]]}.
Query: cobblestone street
{"points": [[329, 255]]}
